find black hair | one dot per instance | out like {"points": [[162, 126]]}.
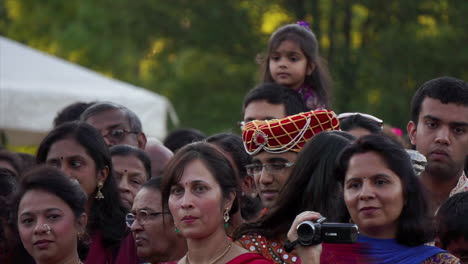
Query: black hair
{"points": [[53, 181], [28, 161], [181, 137], [451, 219], [8, 182], [276, 94], [153, 183], [311, 187], [445, 89], [233, 145], [108, 214], [415, 222], [359, 121], [127, 150], [99, 107], [71, 112], [12, 159], [215, 162], [320, 79]]}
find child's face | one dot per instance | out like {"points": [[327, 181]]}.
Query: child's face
{"points": [[288, 65]]}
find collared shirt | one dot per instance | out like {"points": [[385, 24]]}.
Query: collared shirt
{"points": [[462, 185]]}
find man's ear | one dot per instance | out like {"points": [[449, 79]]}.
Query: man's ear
{"points": [[248, 185], [141, 139], [310, 68], [411, 128]]}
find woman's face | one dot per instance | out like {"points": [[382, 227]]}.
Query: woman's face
{"points": [[373, 195], [40, 211], [72, 159], [196, 202]]}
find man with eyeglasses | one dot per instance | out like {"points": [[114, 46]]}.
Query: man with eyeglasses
{"points": [[275, 144], [153, 228], [116, 123]]}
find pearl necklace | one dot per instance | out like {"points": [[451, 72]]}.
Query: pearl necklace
{"points": [[187, 260]]}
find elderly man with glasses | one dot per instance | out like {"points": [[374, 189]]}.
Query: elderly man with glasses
{"points": [[275, 144], [153, 228], [116, 123]]}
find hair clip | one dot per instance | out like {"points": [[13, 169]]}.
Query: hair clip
{"points": [[303, 24]]}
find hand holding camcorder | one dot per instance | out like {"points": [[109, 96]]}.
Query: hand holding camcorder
{"points": [[313, 233]]}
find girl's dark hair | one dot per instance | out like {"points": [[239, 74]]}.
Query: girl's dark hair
{"points": [[415, 226], [214, 161], [106, 215], [320, 79], [311, 187]]}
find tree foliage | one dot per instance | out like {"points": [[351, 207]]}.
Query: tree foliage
{"points": [[201, 54]]}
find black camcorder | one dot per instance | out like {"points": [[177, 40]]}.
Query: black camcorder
{"points": [[313, 233]]}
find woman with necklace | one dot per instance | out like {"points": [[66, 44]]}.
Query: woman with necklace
{"points": [[200, 187]]}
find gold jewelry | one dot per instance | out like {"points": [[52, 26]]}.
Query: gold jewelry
{"points": [[99, 195], [187, 260]]}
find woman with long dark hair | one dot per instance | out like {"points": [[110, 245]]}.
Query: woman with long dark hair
{"points": [[311, 186], [385, 199], [78, 150]]}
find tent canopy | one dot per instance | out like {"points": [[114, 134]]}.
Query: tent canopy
{"points": [[35, 86]]}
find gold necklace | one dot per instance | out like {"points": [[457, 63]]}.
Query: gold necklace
{"points": [[187, 261]]}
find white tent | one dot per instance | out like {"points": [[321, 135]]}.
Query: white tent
{"points": [[34, 86]]}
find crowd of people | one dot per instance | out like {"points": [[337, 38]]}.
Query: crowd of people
{"points": [[300, 185]]}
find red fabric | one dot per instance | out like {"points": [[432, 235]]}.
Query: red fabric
{"points": [[280, 134], [126, 253], [250, 258]]}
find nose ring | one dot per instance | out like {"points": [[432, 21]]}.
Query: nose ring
{"points": [[47, 227]]}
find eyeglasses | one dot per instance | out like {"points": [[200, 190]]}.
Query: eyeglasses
{"points": [[142, 217], [118, 134], [371, 117], [272, 168], [241, 124]]}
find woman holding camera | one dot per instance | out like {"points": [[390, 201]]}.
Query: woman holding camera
{"points": [[311, 186], [385, 199], [200, 188]]}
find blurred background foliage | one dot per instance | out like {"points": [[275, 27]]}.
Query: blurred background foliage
{"points": [[201, 54]]}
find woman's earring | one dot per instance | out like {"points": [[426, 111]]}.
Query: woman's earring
{"points": [[226, 218], [176, 230], [99, 195]]}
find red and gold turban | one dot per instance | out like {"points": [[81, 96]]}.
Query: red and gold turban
{"points": [[287, 134]]}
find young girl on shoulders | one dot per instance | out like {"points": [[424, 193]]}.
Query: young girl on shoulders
{"points": [[293, 60]]}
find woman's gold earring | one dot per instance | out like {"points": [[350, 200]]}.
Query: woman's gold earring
{"points": [[99, 195]]}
